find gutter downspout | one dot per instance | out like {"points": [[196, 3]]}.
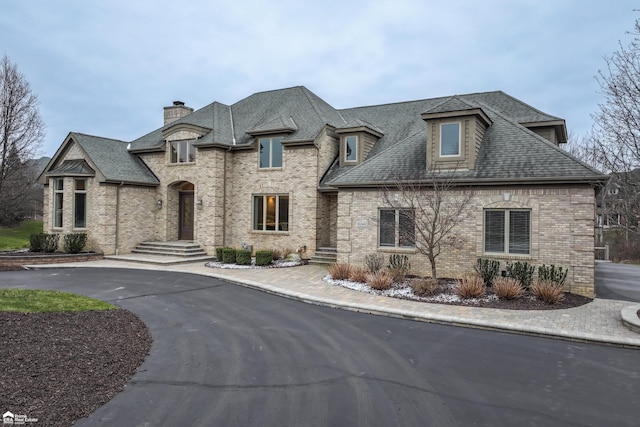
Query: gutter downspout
{"points": [[116, 243]]}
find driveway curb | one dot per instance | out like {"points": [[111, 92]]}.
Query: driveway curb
{"points": [[630, 317]]}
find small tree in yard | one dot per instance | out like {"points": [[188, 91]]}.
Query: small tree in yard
{"points": [[429, 214], [21, 134]]}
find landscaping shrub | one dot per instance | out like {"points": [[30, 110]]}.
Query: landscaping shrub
{"points": [[36, 242], [219, 252], [243, 257], [340, 271], [44, 242], [487, 269], [74, 242], [507, 288], [553, 274], [470, 286], [522, 272], [425, 287], [379, 280], [373, 262], [358, 274], [547, 291], [398, 267], [229, 255], [276, 253], [264, 257]]}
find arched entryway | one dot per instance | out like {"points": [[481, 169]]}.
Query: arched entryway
{"points": [[185, 211]]}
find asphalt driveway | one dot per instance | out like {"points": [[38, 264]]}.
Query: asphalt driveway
{"points": [[227, 355], [618, 281]]}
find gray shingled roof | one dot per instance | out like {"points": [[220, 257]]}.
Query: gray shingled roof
{"points": [[508, 152], [113, 160], [72, 167]]}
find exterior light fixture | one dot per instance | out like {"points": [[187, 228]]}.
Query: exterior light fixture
{"points": [[199, 203]]}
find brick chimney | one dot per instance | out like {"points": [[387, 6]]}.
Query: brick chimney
{"points": [[177, 111]]}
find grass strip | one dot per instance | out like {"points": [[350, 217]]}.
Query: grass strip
{"points": [[39, 301]]}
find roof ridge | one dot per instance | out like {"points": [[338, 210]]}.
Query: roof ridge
{"points": [[96, 136], [307, 93]]}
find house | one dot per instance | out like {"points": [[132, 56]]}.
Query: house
{"points": [[284, 169]]}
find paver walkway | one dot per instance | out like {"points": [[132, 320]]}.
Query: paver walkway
{"points": [[599, 321]]}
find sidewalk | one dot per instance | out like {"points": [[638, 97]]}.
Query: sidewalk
{"points": [[599, 321]]}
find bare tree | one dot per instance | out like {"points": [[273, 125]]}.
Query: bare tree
{"points": [[429, 214], [21, 136]]}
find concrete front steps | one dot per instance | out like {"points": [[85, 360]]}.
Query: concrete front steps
{"points": [[175, 252], [324, 256]]}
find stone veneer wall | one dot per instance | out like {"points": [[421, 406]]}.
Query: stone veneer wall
{"points": [[298, 178], [562, 231]]}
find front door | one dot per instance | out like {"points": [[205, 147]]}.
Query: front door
{"points": [[185, 231]]}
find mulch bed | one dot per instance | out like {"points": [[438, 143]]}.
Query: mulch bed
{"points": [[60, 367]]}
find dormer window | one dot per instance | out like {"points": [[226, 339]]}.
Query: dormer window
{"points": [[182, 152], [270, 153], [351, 149], [449, 139]]}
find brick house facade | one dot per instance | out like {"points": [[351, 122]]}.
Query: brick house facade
{"points": [[284, 169]]}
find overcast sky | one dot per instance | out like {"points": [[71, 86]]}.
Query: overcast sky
{"points": [[108, 67]]}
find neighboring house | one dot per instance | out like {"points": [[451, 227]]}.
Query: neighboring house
{"points": [[285, 169], [618, 204]]}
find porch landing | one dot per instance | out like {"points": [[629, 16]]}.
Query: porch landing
{"points": [[165, 253]]}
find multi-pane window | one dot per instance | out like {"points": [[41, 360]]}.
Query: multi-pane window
{"points": [[450, 139], [350, 148], [507, 231], [270, 153], [397, 228], [58, 198], [271, 212], [80, 203], [182, 151]]}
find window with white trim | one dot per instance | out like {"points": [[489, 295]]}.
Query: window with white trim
{"points": [[270, 153], [396, 228], [507, 231], [271, 212], [80, 203], [449, 139], [182, 151], [58, 199], [351, 148]]}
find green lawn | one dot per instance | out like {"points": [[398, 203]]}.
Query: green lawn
{"points": [[33, 301], [18, 238]]}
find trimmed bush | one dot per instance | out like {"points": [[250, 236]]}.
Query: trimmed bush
{"points": [[470, 286], [44, 242], [358, 274], [229, 255], [340, 271], [379, 280], [264, 257], [219, 253], [36, 242], [243, 257], [425, 287], [74, 242], [487, 269], [397, 274], [399, 261], [373, 262], [547, 291], [507, 288], [522, 272], [553, 274]]}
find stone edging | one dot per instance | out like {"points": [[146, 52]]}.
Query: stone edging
{"points": [[16, 262], [630, 317]]}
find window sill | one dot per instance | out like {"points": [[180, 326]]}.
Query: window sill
{"points": [[181, 164], [269, 169], [507, 256], [274, 232], [390, 249]]}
